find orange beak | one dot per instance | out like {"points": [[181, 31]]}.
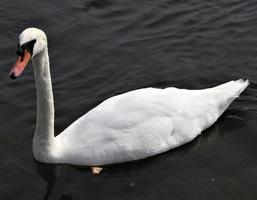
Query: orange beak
{"points": [[20, 65]]}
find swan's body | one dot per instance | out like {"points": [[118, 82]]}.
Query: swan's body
{"points": [[130, 126]]}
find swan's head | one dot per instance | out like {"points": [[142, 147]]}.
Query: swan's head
{"points": [[32, 41]]}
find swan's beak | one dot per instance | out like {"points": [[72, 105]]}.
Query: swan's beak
{"points": [[20, 65]]}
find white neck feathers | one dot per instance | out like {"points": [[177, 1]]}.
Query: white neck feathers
{"points": [[43, 141]]}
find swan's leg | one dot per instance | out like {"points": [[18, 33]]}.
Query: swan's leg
{"points": [[96, 170]]}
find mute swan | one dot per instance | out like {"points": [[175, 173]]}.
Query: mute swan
{"points": [[126, 127]]}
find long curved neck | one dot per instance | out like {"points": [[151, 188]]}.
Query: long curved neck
{"points": [[43, 141]]}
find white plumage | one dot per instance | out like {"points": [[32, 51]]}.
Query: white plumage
{"points": [[126, 127], [144, 122]]}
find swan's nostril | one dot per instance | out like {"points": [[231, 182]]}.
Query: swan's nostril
{"points": [[12, 76]]}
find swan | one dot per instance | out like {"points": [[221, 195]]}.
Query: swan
{"points": [[130, 126]]}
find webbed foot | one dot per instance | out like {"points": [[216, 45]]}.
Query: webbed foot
{"points": [[96, 170]]}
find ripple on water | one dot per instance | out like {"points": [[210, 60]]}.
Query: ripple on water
{"points": [[100, 48]]}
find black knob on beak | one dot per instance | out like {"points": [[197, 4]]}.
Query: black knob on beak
{"points": [[12, 76]]}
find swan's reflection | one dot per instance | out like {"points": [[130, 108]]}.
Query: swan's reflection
{"points": [[66, 197], [48, 173]]}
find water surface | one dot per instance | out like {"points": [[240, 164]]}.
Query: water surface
{"points": [[100, 48]]}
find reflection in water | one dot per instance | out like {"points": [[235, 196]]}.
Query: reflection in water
{"points": [[66, 197], [48, 173]]}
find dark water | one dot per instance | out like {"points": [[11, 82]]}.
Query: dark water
{"points": [[100, 48]]}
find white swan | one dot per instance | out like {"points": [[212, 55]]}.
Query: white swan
{"points": [[126, 127]]}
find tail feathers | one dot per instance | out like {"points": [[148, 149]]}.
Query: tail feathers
{"points": [[226, 93], [218, 99], [233, 88], [230, 91], [241, 84]]}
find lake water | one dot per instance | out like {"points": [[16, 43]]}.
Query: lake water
{"points": [[100, 48]]}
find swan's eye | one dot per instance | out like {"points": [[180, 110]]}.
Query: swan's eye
{"points": [[20, 51]]}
